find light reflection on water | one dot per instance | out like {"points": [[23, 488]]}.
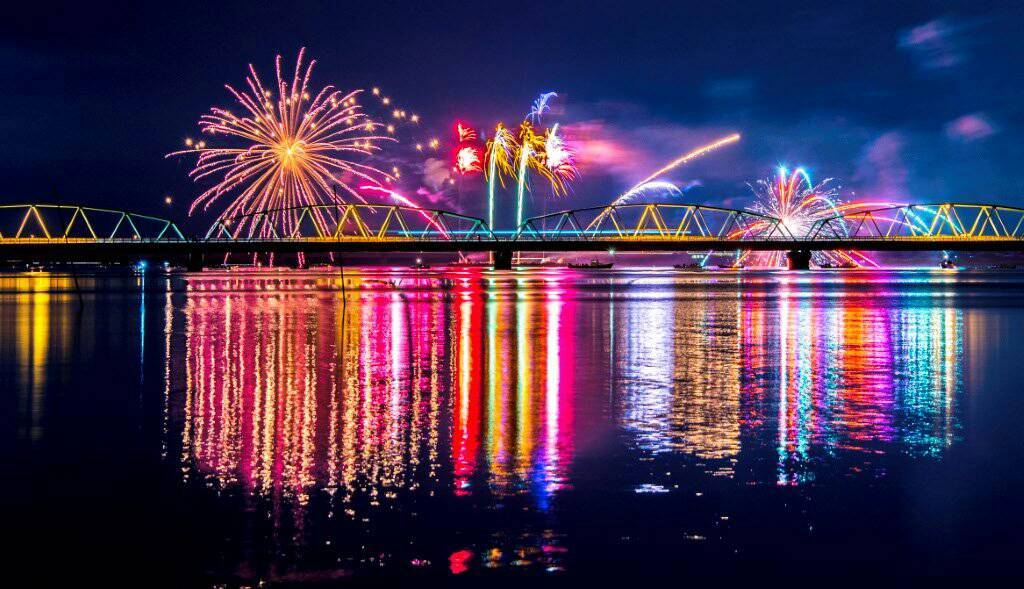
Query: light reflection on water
{"points": [[340, 419]]}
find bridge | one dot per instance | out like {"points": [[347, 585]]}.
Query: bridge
{"points": [[45, 233]]}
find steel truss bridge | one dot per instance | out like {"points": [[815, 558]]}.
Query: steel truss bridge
{"points": [[60, 233]]}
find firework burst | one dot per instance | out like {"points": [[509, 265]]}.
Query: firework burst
{"points": [[515, 156], [540, 106], [288, 147], [499, 154], [468, 153], [559, 160], [467, 160], [799, 203]]}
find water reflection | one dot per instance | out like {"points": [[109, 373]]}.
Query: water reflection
{"points": [[35, 333], [484, 391], [286, 393]]}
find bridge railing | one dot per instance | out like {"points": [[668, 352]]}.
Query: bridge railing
{"points": [[937, 222], [350, 222], [647, 222], [43, 223]]}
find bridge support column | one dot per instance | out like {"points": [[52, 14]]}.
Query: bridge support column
{"points": [[194, 263], [799, 259], [502, 259]]}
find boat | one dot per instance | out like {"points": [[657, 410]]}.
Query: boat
{"points": [[592, 265], [419, 265], [839, 266], [947, 264], [691, 266]]}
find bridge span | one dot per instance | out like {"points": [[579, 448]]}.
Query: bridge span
{"points": [[40, 233]]}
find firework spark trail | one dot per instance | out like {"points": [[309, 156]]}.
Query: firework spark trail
{"points": [[293, 147], [656, 185], [403, 200], [559, 159], [499, 163], [540, 106], [525, 154], [685, 158], [531, 155]]}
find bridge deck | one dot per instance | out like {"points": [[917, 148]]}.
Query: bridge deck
{"points": [[85, 249]]}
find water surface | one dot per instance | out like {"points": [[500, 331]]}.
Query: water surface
{"points": [[234, 427]]}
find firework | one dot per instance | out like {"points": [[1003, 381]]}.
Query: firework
{"points": [[404, 201], [468, 153], [289, 147], [515, 156], [540, 106], [465, 133], [467, 160], [526, 154], [531, 155], [559, 159], [799, 203], [685, 158], [656, 186], [499, 164]]}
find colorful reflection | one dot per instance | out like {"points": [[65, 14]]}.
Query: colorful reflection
{"points": [[712, 376], [36, 332], [285, 393], [483, 389]]}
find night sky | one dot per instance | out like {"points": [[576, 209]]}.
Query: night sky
{"points": [[899, 101]]}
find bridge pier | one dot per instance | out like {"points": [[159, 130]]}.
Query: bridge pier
{"points": [[799, 259], [194, 263], [502, 259]]}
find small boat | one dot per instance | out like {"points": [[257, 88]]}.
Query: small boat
{"points": [[419, 265], [947, 264], [691, 266], [592, 265], [840, 266]]}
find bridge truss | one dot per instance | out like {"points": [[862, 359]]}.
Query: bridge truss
{"points": [[351, 222], [935, 222], [76, 224], [652, 222], [44, 232]]}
